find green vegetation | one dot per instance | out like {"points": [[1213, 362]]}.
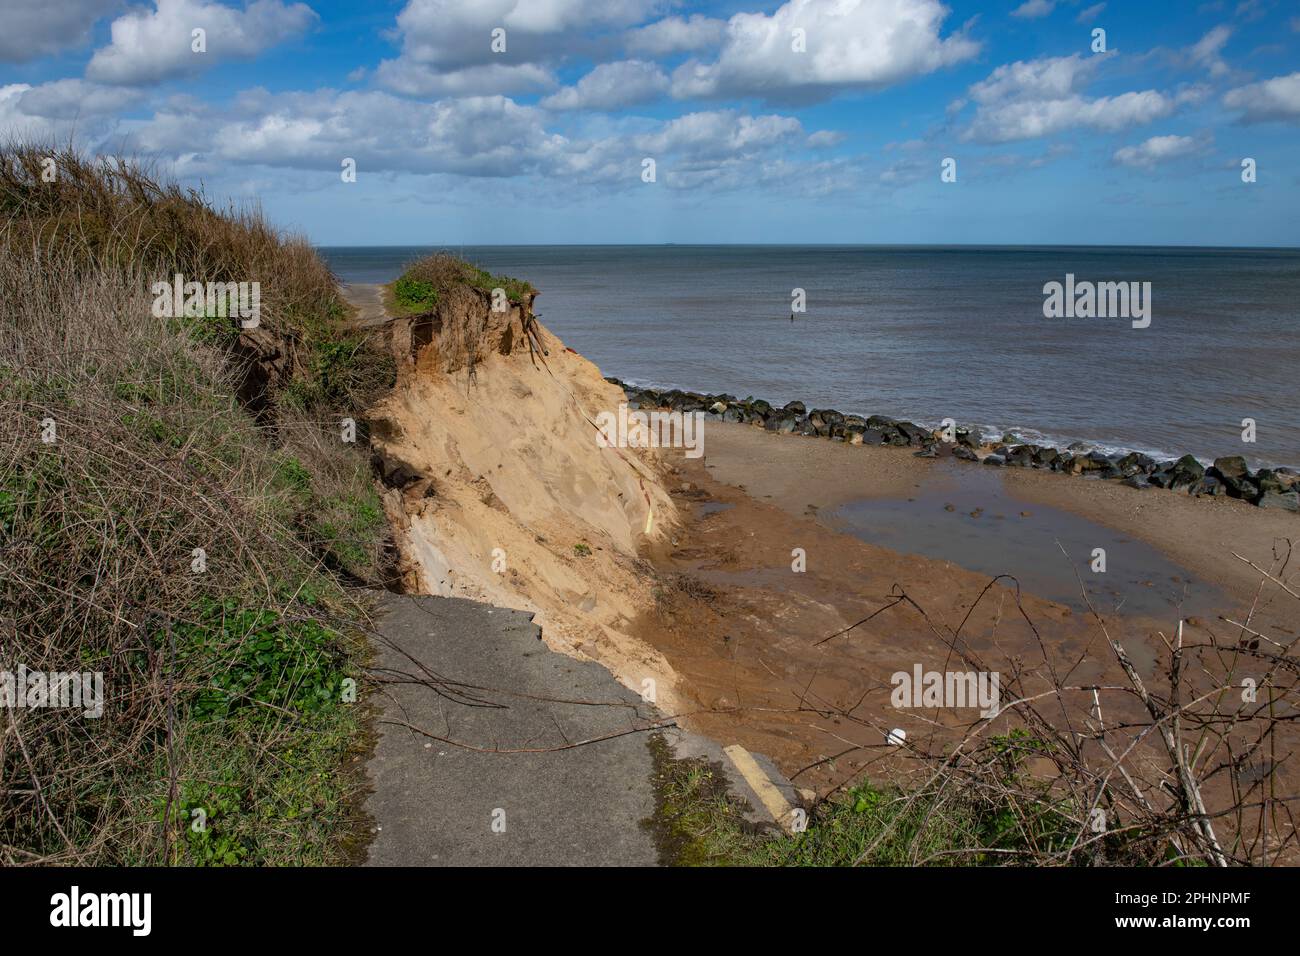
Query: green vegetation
{"points": [[582, 550], [698, 822], [413, 295], [195, 528], [428, 281]]}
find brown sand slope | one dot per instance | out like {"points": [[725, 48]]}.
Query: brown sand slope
{"points": [[500, 492]]}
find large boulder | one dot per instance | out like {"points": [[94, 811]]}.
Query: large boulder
{"points": [[1102, 465], [1232, 474], [1212, 486], [1135, 463], [914, 433], [1185, 474], [825, 420], [1231, 466], [797, 409], [1270, 480], [1022, 456], [1085, 464], [1285, 500], [782, 422]]}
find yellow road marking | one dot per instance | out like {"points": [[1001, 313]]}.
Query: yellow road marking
{"points": [[763, 786]]}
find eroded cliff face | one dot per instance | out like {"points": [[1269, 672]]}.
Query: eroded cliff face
{"points": [[499, 491]]}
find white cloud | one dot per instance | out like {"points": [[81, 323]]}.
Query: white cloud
{"points": [[1026, 100], [720, 133], [675, 35], [550, 16], [905, 172], [610, 86], [35, 28], [849, 43], [18, 125], [1033, 9], [1274, 99], [152, 45], [473, 137], [447, 44], [1206, 51], [1155, 150], [1048, 78], [1250, 10], [1034, 118], [417, 79], [824, 139], [72, 98], [1088, 14], [63, 111]]}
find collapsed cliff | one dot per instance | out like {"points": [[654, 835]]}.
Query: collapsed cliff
{"points": [[497, 487]]}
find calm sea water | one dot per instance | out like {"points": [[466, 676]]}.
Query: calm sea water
{"points": [[927, 333]]}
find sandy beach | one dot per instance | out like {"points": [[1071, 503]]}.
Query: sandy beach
{"points": [[1198, 533], [747, 635]]}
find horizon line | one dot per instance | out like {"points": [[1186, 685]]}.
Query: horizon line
{"points": [[805, 245]]}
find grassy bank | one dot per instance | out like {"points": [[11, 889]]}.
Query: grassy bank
{"points": [[180, 512]]}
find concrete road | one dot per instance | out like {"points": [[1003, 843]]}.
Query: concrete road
{"points": [[437, 804]]}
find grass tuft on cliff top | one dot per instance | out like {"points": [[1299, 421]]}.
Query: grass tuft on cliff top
{"points": [[427, 281], [205, 559]]}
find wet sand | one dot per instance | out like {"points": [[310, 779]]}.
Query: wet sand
{"points": [[751, 638], [1199, 534]]}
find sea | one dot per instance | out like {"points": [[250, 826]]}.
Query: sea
{"points": [[928, 333]]}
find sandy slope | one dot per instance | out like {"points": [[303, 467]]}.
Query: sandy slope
{"points": [[515, 502]]}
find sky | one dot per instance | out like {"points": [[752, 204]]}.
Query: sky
{"points": [[1125, 122]]}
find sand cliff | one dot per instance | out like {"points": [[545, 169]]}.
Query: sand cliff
{"points": [[498, 490]]}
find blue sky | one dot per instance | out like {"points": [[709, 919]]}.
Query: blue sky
{"points": [[806, 121]]}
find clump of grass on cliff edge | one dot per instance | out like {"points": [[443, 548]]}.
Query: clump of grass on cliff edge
{"points": [[151, 528], [425, 282], [114, 214]]}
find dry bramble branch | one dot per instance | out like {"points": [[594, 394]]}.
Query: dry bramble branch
{"points": [[1193, 769]]}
